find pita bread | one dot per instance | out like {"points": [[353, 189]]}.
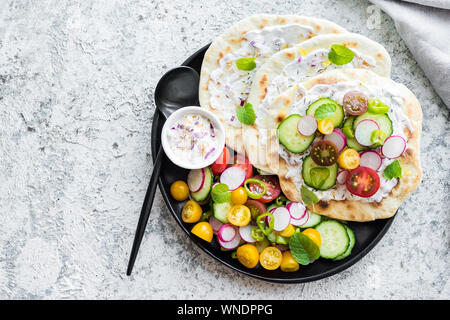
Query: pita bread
{"points": [[293, 65], [355, 208], [223, 85]]}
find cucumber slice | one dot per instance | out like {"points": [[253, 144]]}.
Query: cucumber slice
{"points": [[203, 193], [352, 143], [261, 245], [314, 220], [289, 136], [338, 117], [334, 237], [308, 164], [352, 239], [383, 120], [220, 211], [272, 237]]}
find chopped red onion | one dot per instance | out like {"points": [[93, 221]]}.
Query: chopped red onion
{"points": [[299, 59], [209, 152]]}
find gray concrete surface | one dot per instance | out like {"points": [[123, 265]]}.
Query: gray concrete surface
{"points": [[76, 105]]}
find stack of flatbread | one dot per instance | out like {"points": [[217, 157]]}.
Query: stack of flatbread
{"points": [[287, 70]]}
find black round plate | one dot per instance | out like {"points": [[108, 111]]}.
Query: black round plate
{"points": [[367, 234]]}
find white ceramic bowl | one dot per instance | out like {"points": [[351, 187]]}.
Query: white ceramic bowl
{"points": [[172, 120]]}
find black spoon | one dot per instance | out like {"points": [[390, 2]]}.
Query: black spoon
{"points": [[176, 89]]}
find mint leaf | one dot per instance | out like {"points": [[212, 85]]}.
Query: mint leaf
{"points": [[246, 114], [325, 111], [246, 64], [220, 193], [319, 176], [340, 54], [308, 197], [303, 249], [394, 170]]}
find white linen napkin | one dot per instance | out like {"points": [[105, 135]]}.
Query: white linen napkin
{"points": [[424, 25]]}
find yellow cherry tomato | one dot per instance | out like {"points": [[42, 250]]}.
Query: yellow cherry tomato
{"points": [[314, 235], [270, 258], [203, 230], [325, 126], [288, 232], [239, 196], [239, 215], [349, 159], [288, 263], [192, 212], [248, 255], [179, 190]]}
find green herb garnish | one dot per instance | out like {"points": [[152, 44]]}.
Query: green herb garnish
{"points": [[246, 114], [340, 54], [325, 111], [246, 64], [220, 193], [303, 249], [308, 197], [394, 170]]}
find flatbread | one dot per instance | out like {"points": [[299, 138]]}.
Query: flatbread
{"points": [[352, 209], [218, 96], [293, 65]]}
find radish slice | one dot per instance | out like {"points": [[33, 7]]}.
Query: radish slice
{"points": [[246, 233], [307, 125], [300, 222], [227, 233], [338, 138], [281, 218], [215, 224], [393, 147], [296, 209], [342, 177], [363, 132], [233, 244], [196, 179], [233, 177], [371, 159]]}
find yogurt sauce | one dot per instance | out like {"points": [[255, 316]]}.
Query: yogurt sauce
{"points": [[231, 86], [310, 65], [193, 138], [336, 92]]}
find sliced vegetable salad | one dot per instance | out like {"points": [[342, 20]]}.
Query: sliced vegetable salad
{"points": [[248, 216], [347, 143]]}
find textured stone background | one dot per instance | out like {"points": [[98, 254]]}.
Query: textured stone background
{"points": [[76, 106]]}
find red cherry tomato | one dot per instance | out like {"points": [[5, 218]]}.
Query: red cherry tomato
{"points": [[221, 163], [272, 185], [244, 163], [363, 182], [355, 103]]}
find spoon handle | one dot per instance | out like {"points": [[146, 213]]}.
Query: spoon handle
{"points": [[145, 211]]}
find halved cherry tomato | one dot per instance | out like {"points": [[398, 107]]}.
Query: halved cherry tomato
{"points": [[248, 255], [288, 263], [363, 182], [273, 189], [239, 196], [288, 232], [355, 103], [239, 215], [256, 208], [221, 163], [349, 159], [192, 212], [244, 163], [325, 126], [314, 235], [203, 230], [270, 258], [324, 153]]}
